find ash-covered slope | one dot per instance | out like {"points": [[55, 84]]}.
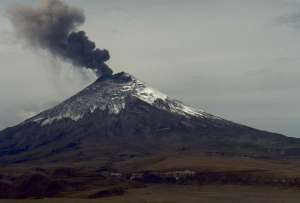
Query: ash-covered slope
{"points": [[120, 117]]}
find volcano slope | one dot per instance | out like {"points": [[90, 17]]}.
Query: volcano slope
{"points": [[120, 117]]}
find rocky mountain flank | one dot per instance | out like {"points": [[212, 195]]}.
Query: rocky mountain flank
{"points": [[120, 117]]}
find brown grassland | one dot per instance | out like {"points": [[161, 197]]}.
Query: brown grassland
{"points": [[220, 179]]}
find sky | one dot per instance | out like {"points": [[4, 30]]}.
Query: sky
{"points": [[235, 59]]}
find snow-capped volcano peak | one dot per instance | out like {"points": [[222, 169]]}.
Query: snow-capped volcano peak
{"points": [[109, 94], [119, 115]]}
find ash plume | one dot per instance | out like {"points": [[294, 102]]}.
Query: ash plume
{"points": [[53, 26]]}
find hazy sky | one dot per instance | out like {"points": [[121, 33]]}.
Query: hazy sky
{"points": [[236, 59]]}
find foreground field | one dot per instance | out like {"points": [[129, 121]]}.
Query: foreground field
{"points": [[190, 194], [165, 179]]}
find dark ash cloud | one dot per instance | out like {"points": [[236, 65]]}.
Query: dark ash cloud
{"points": [[53, 26]]}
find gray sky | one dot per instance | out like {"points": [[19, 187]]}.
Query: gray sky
{"points": [[236, 59]]}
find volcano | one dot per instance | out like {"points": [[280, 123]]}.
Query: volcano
{"points": [[120, 117]]}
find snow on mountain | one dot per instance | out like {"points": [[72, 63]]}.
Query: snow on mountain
{"points": [[110, 94], [120, 115]]}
